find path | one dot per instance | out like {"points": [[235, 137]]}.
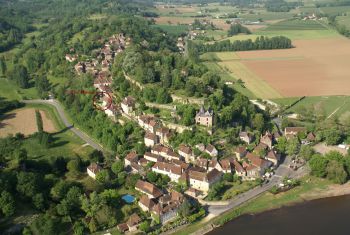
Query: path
{"points": [[336, 110], [64, 119]]}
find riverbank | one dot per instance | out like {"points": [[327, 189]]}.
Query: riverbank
{"points": [[310, 188]]}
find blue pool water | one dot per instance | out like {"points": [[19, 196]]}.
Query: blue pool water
{"points": [[128, 198]]}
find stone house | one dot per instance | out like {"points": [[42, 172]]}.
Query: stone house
{"points": [[205, 117]]}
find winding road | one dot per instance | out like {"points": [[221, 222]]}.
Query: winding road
{"points": [[70, 126]]}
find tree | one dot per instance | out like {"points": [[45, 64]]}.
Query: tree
{"points": [[46, 225], [7, 204], [74, 166], [332, 136], [117, 167], [39, 201], [3, 67], [259, 122], [185, 208], [78, 228], [27, 184], [152, 176], [145, 226], [92, 204], [281, 145], [163, 96], [103, 176], [336, 172], [293, 146], [39, 121], [306, 152], [20, 75], [318, 164], [43, 86]]}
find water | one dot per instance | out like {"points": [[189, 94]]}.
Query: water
{"points": [[128, 198], [330, 216]]}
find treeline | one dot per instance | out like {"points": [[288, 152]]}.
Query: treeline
{"points": [[281, 5], [342, 29], [260, 43], [6, 105], [332, 4], [237, 29]]}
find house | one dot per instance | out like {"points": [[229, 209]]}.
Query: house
{"points": [[261, 148], [192, 192], [111, 110], [211, 150], [174, 172], [186, 152], [146, 203], [246, 137], [164, 134], [214, 164], [203, 181], [71, 58], [153, 157], [150, 139], [136, 168], [149, 189], [167, 207], [149, 123], [311, 137], [205, 117], [133, 222], [227, 166], [267, 139], [123, 227], [128, 104], [93, 169], [293, 131], [273, 157], [131, 157], [240, 152], [202, 162], [200, 147], [165, 152], [256, 166], [239, 170]]}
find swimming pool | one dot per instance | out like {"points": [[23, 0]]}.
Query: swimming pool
{"points": [[128, 198]]}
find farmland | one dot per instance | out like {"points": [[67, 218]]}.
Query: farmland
{"points": [[23, 121]]}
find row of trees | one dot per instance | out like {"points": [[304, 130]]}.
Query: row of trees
{"points": [[260, 43]]}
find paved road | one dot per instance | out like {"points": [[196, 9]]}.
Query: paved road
{"points": [[64, 119], [282, 171]]}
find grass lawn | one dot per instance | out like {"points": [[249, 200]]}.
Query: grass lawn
{"points": [[238, 188], [11, 91]]}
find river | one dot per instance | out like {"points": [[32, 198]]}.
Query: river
{"points": [[328, 216]]}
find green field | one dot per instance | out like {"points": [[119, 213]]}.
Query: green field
{"points": [[344, 20], [11, 91], [330, 104], [173, 29]]}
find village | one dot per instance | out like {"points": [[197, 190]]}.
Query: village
{"points": [[196, 172]]}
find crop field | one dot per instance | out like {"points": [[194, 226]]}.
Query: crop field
{"points": [[344, 20], [335, 10], [305, 70], [296, 24], [23, 121]]}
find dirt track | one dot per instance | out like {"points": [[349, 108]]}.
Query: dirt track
{"points": [[23, 121]]}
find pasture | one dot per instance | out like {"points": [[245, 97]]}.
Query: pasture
{"points": [[296, 24]]}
